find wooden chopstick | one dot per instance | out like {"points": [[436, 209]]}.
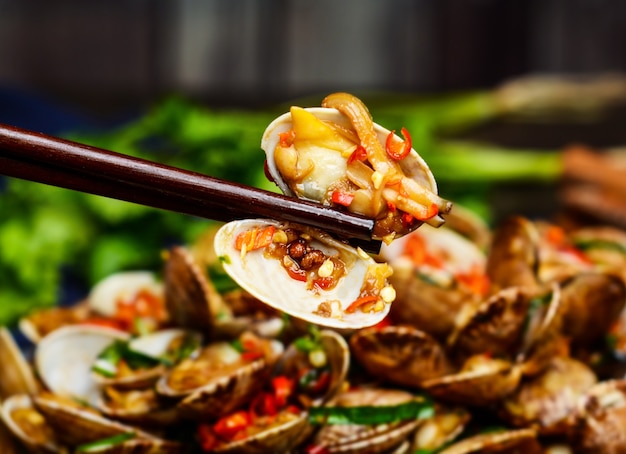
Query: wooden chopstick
{"points": [[37, 157]]}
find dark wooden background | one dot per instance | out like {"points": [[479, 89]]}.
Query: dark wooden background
{"points": [[107, 55]]}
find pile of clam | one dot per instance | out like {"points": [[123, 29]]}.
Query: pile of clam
{"points": [[503, 341], [273, 337]]}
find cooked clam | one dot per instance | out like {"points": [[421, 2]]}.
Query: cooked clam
{"points": [[29, 426], [306, 273], [221, 377], [336, 155], [601, 419], [520, 441], [438, 274], [550, 399], [513, 258], [64, 359], [370, 438], [481, 381], [400, 354], [17, 375]]}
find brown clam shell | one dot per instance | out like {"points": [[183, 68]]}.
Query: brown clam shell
{"points": [[282, 438], [602, 418], [496, 327], [143, 446], [549, 400], [353, 438], [154, 412], [425, 305], [492, 381], [36, 437], [76, 425], [220, 395], [189, 295], [513, 259], [521, 441], [591, 302], [400, 354], [17, 375]]}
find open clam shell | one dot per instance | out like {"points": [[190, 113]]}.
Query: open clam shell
{"points": [[601, 419], [123, 286], [17, 374], [400, 354], [430, 295], [76, 424], [520, 441], [156, 345], [64, 358], [479, 384], [414, 167], [549, 400], [190, 298], [337, 155], [378, 438], [280, 438], [28, 425], [267, 279], [216, 381], [513, 258]]}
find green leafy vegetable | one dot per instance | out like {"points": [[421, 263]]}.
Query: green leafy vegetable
{"points": [[420, 408], [106, 442]]}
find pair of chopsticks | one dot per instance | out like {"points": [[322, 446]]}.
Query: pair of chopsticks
{"points": [[49, 160]]}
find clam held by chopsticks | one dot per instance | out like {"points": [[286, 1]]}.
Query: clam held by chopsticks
{"points": [[338, 156], [305, 273]]}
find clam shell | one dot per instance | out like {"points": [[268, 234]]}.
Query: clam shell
{"points": [[413, 166], [400, 355], [549, 400], [426, 297], [76, 425], [154, 345], [355, 438], [521, 441], [124, 285], [601, 419], [189, 295], [481, 387], [282, 438], [153, 413], [267, 280], [63, 359], [440, 429], [513, 258], [33, 444], [225, 391], [141, 446], [17, 374]]}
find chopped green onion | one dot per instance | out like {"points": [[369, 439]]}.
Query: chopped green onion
{"points": [[421, 408], [585, 245], [106, 363], [106, 442]]}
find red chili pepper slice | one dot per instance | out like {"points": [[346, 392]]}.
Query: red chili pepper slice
{"points": [[397, 150], [360, 302], [360, 154], [342, 198], [283, 389], [256, 238], [228, 426], [296, 273], [324, 283], [264, 405]]}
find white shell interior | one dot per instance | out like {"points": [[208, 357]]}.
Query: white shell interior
{"points": [[64, 358], [267, 280], [104, 295]]}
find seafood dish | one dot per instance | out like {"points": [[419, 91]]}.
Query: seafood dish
{"points": [[503, 339]]}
